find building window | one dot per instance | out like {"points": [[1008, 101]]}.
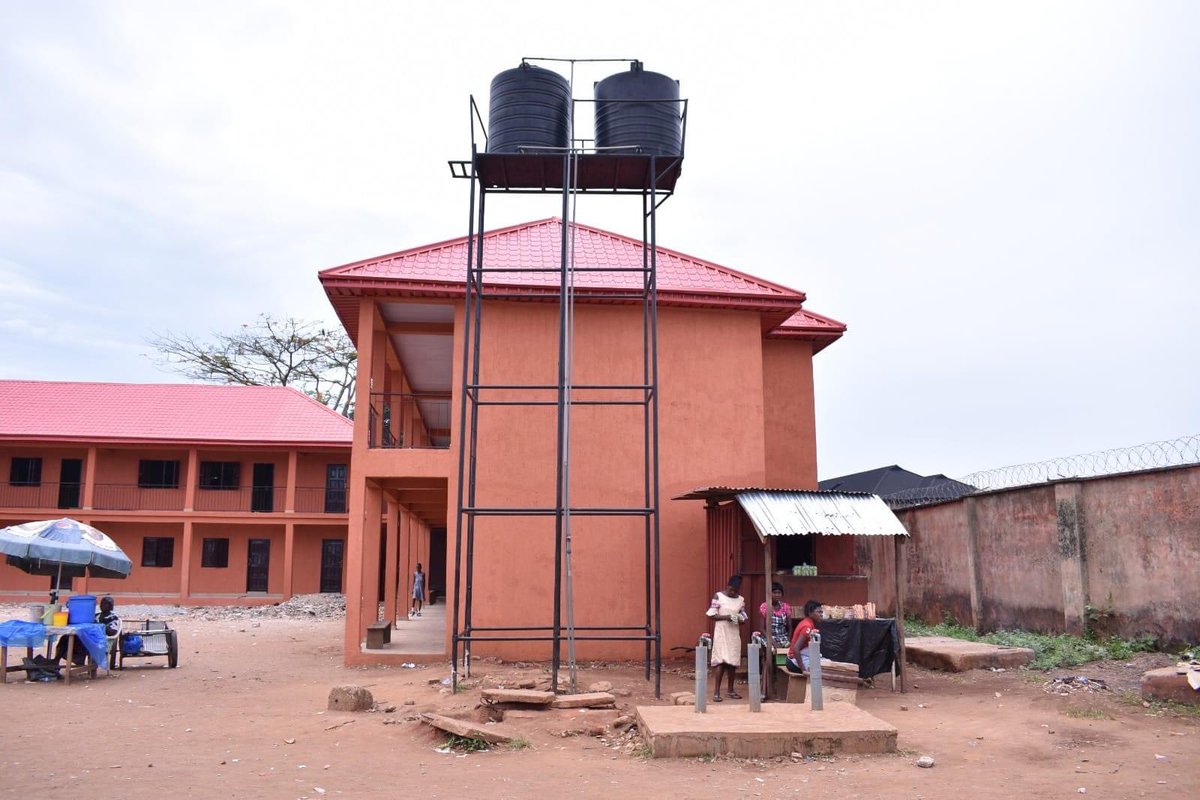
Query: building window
{"points": [[25, 472], [158, 474], [794, 551], [215, 554], [158, 551], [220, 474]]}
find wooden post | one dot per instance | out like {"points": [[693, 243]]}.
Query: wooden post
{"points": [[901, 570], [769, 567]]}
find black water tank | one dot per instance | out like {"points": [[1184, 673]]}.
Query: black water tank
{"points": [[625, 117], [530, 107]]}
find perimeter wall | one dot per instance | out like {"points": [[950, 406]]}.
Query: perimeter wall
{"points": [[1117, 555]]}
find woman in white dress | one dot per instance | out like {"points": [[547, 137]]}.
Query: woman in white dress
{"points": [[728, 609]]}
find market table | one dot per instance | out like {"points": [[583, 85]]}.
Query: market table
{"points": [[872, 644], [16, 633]]}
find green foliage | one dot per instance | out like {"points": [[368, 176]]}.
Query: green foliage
{"points": [[1087, 713], [465, 744], [1051, 651]]}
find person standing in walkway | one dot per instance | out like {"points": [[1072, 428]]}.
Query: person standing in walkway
{"points": [[728, 610], [418, 593]]}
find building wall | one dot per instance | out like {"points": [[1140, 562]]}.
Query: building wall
{"points": [[1115, 555], [306, 572], [130, 514], [789, 429], [712, 430]]}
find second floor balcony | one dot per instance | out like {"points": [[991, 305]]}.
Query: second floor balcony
{"points": [[409, 420], [132, 497]]}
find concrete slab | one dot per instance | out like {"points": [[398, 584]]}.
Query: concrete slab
{"points": [[1169, 683], [778, 730], [957, 655], [530, 697]]}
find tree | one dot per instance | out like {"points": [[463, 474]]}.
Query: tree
{"points": [[271, 352]]}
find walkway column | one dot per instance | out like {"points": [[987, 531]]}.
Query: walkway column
{"points": [[392, 561], [185, 561], [357, 528], [371, 541], [89, 480], [408, 560], [191, 477], [289, 502], [289, 556]]}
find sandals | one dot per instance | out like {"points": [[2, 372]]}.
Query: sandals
{"points": [[733, 695], [718, 699]]}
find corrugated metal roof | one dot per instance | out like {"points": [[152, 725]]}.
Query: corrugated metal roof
{"points": [[784, 513]]}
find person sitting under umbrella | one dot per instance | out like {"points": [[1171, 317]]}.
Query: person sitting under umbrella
{"points": [[106, 616]]}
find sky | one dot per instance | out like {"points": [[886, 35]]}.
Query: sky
{"points": [[1001, 200]]}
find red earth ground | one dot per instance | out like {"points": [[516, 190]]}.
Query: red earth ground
{"points": [[245, 716]]}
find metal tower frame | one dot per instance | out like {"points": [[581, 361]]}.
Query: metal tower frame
{"points": [[580, 168]]}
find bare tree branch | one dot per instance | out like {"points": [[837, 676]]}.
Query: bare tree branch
{"points": [[272, 352]]}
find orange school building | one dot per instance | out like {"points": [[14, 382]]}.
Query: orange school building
{"points": [[735, 399], [218, 494]]}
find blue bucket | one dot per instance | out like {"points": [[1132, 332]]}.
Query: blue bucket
{"points": [[81, 609]]}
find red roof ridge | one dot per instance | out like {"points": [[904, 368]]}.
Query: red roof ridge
{"points": [[429, 248], [774, 288], [702, 261]]}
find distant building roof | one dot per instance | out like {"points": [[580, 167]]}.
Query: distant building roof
{"points": [[181, 412], [439, 270], [901, 483]]}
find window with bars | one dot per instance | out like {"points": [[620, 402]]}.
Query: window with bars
{"points": [[215, 553], [224, 475], [25, 472], [158, 551], [158, 474]]}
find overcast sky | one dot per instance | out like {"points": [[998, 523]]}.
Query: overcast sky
{"points": [[1001, 200]]}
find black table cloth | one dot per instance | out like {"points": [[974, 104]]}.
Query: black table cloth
{"points": [[870, 643]]}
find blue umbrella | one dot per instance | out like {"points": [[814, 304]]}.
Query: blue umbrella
{"points": [[63, 547]]}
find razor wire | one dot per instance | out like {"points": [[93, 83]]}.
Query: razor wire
{"points": [[1178, 452]]}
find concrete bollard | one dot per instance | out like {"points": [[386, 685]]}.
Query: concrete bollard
{"points": [[814, 671], [754, 671], [702, 649]]}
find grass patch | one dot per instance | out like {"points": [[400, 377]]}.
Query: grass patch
{"points": [[1086, 713], [1050, 651], [1160, 708], [519, 744], [465, 744], [643, 751]]}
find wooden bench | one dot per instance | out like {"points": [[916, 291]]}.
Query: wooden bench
{"points": [[378, 634], [790, 687]]}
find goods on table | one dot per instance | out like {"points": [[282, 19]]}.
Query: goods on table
{"points": [[857, 611]]}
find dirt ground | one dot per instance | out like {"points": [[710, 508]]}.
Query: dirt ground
{"points": [[245, 716]]}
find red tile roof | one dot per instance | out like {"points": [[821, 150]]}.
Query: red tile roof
{"points": [[439, 270], [182, 413], [538, 244], [810, 326]]}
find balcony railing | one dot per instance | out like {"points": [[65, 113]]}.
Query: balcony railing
{"points": [[409, 420], [42, 495], [131, 497]]}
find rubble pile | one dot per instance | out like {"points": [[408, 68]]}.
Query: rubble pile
{"points": [[1073, 684], [302, 606]]}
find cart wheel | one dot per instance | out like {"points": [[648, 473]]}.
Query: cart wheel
{"points": [[172, 649]]}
